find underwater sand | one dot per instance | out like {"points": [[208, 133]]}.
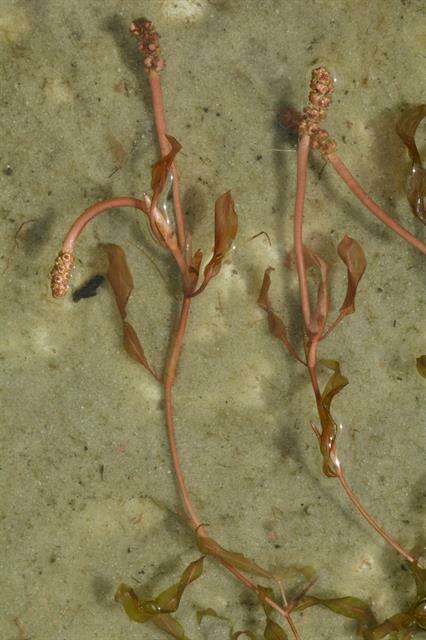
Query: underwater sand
{"points": [[87, 495]]}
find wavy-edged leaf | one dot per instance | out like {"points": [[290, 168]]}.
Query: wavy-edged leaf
{"points": [[421, 365], [275, 324], [225, 231], [273, 631], [210, 547], [236, 635], [121, 281], [161, 169], [348, 607], [419, 573], [350, 251], [168, 601], [137, 610], [327, 437], [406, 128]]}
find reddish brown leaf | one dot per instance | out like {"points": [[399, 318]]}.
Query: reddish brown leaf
{"points": [[322, 305], [353, 256], [275, 324], [160, 170], [134, 348], [226, 227], [119, 276], [170, 625], [121, 282], [406, 128]]}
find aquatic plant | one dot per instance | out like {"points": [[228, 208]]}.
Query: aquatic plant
{"points": [[316, 325]]}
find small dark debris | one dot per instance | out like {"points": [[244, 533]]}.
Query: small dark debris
{"points": [[89, 288], [259, 157], [101, 471], [205, 109], [8, 170], [218, 114]]}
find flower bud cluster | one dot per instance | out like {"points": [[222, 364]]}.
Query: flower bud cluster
{"points": [[149, 44]]}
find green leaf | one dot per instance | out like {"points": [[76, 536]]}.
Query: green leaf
{"points": [[210, 547], [136, 609], [393, 624], [273, 631], [348, 606], [170, 625], [237, 634], [169, 600]]}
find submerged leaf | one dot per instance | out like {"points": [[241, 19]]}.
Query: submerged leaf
{"points": [[275, 324], [119, 276], [137, 610], [322, 305], [169, 600], [225, 231], [421, 365], [273, 631], [353, 256], [406, 128], [121, 282], [170, 625], [393, 624], [349, 607], [327, 437], [210, 547], [237, 634], [160, 170]]}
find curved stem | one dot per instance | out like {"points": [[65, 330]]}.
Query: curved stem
{"points": [[302, 162], [160, 125], [374, 208], [358, 506], [95, 210], [169, 378]]}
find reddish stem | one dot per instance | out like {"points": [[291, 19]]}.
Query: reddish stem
{"points": [[302, 164], [95, 210], [357, 504], [160, 125], [374, 208]]}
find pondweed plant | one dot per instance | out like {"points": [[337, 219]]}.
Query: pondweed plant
{"points": [[169, 230], [315, 313]]}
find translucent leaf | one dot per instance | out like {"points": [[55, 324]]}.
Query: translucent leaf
{"points": [[263, 593], [349, 607], [210, 613], [322, 304], [421, 365], [419, 573], [168, 601], [328, 433], [275, 324], [225, 231], [121, 282], [134, 348], [406, 128], [160, 170], [119, 276], [210, 547], [237, 634], [273, 631], [353, 256]]}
